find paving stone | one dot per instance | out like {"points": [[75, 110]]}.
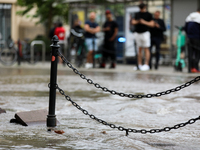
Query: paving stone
{"points": [[28, 118]]}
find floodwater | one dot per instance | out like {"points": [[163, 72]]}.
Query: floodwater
{"points": [[27, 89]]}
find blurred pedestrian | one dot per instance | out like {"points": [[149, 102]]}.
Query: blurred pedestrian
{"points": [[156, 38], [60, 32], [52, 31], [91, 28], [77, 25], [143, 21], [110, 28], [192, 28]]}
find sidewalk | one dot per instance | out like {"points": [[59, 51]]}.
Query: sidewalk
{"points": [[126, 68]]}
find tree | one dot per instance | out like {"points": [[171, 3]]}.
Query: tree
{"points": [[46, 10]]}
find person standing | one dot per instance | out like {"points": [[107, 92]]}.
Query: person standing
{"points": [[156, 38], [60, 33], [110, 29], [77, 26], [143, 21], [192, 28], [52, 31], [91, 28]]}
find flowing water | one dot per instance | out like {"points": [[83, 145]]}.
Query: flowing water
{"points": [[27, 89]]}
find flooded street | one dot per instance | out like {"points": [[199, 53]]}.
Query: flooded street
{"points": [[25, 89]]}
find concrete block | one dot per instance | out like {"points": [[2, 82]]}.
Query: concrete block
{"points": [[28, 118]]}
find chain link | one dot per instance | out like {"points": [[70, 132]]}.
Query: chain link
{"points": [[120, 128], [98, 86]]}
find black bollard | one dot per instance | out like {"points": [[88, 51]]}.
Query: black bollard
{"points": [[51, 117], [18, 53]]}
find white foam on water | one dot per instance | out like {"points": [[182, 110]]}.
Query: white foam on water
{"points": [[81, 132]]}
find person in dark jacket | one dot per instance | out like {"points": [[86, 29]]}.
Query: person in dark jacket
{"points": [[156, 38], [110, 29], [192, 28]]}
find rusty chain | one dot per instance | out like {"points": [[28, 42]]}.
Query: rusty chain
{"points": [[98, 86], [120, 128]]}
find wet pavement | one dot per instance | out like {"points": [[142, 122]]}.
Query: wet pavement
{"points": [[25, 88]]}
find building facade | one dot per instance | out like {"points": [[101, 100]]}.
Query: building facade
{"points": [[18, 27], [173, 12]]}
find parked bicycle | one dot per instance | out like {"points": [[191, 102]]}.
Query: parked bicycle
{"points": [[25, 52], [10, 54]]}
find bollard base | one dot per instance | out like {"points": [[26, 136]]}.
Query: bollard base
{"points": [[51, 121]]}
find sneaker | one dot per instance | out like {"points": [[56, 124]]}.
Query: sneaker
{"points": [[137, 68], [102, 65], [145, 68], [112, 66], [194, 70], [88, 65]]}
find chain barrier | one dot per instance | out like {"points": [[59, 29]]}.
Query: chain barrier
{"points": [[98, 86], [120, 128]]}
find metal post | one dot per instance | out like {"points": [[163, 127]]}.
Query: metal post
{"points": [[18, 53], [51, 117], [38, 42]]}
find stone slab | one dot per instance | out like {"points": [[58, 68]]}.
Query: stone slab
{"points": [[28, 118]]}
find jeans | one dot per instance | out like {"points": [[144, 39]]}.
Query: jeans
{"points": [[155, 41], [194, 53]]}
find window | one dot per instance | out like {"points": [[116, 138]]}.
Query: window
{"points": [[5, 21]]}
